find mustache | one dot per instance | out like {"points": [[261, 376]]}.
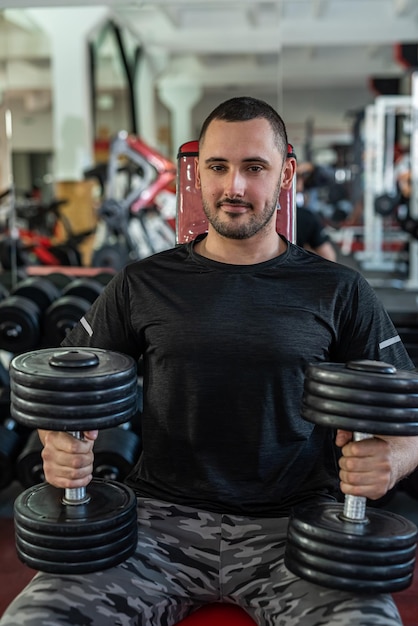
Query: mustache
{"points": [[233, 201]]}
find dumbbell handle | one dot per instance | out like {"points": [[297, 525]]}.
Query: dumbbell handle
{"points": [[78, 495], [355, 506]]}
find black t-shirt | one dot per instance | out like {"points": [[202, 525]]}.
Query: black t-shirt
{"points": [[224, 350]]}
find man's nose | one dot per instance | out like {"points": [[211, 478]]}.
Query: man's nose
{"points": [[234, 184]]}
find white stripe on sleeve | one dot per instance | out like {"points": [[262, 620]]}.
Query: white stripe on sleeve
{"points": [[86, 326]]}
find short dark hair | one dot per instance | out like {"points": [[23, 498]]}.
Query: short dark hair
{"points": [[245, 108]]}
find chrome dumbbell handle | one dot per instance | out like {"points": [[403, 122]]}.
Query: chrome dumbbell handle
{"points": [[355, 506], [77, 495]]}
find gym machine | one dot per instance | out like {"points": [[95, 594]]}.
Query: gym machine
{"points": [[136, 216], [380, 193]]}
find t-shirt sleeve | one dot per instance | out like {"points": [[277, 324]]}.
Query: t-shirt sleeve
{"points": [[106, 324], [367, 330]]}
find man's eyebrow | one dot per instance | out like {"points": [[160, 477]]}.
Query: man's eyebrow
{"points": [[254, 159], [217, 159]]}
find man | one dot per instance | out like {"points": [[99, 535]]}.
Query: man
{"points": [[227, 325]]}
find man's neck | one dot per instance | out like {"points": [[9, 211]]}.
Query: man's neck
{"points": [[257, 249]]}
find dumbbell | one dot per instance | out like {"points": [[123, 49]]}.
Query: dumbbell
{"points": [[60, 280], [64, 313], [341, 545], [74, 531], [21, 314]]}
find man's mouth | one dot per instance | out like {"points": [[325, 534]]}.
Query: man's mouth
{"points": [[234, 206]]}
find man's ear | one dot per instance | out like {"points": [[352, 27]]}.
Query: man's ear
{"points": [[196, 173], [289, 169]]}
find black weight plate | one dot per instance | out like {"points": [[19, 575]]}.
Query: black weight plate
{"points": [[61, 317], [41, 509], [361, 396], [358, 424], [19, 325], [59, 369], [367, 571], [295, 562], [67, 542], [384, 531], [75, 417], [401, 381], [34, 369], [401, 415], [349, 554], [32, 410], [73, 397], [110, 547], [93, 565], [86, 288], [40, 290], [60, 280]]}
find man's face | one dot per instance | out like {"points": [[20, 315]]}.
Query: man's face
{"points": [[239, 173]]}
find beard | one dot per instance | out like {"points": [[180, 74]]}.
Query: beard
{"points": [[233, 226]]}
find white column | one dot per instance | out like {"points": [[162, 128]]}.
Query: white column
{"points": [[180, 97], [68, 30], [152, 63], [5, 147]]}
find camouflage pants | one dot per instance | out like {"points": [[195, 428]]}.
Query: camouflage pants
{"points": [[187, 558]]}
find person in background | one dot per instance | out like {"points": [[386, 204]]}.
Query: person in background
{"points": [[226, 325], [310, 231], [312, 235]]}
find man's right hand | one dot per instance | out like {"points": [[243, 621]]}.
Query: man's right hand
{"points": [[67, 461]]}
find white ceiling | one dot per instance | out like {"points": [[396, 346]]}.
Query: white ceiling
{"points": [[223, 45], [304, 42]]}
